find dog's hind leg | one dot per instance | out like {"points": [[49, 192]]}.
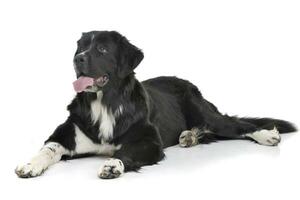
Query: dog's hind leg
{"points": [[264, 131], [201, 113], [189, 138], [265, 137]]}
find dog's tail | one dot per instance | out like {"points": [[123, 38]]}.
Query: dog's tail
{"points": [[269, 123], [234, 127]]}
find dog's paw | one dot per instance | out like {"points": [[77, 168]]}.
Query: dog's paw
{"points": [[188, 138], [29, 170], [112, 168], [266, 137]]}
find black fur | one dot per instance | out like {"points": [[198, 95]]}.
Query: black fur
{"points": [[155, 111]]}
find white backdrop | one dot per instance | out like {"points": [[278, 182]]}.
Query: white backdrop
{"points": [[243, 55]]}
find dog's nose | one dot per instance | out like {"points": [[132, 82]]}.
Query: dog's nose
{"points": [[80, 60]]}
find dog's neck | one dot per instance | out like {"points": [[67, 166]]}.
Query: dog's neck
{"points": [[115, 94]]}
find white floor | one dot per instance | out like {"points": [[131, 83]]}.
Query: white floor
{"points": [[226, 169]]}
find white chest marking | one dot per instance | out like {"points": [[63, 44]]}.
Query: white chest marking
{"points": [[105, 117], [86, 145]]}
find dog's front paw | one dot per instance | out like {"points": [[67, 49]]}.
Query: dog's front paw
{"points": [[29, 170], [112, 168]]}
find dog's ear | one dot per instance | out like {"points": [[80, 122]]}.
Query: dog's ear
{"points": [[129, 57]]}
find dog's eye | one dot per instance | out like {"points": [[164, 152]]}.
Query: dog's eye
{"points": [[102, 49]]}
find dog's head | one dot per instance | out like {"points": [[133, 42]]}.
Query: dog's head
{"points": [[103, 57]]}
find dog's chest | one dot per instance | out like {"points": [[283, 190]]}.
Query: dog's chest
{"points": [[100, 113]]}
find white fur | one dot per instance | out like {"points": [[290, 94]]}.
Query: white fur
{"points": [[188, 138], [112, 168], [265, 137], [51, 153], [119, 111], [86, 145], [100, 113]]}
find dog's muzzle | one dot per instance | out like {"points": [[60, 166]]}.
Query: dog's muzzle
{"points": [[84, 83]]}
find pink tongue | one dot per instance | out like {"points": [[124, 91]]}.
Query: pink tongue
{"points": [[82, 83]]}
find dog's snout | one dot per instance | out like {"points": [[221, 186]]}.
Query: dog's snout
{"points": [[80, 59]]}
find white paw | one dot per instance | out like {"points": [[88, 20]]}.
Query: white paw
{"points": [[266, 137], [188, 138], [112, 168], [29, 170]]}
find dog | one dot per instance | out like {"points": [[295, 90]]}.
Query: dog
{"points": [[114, 114]]}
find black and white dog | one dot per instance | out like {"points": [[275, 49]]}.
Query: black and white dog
{"points": [[132, 122]]}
